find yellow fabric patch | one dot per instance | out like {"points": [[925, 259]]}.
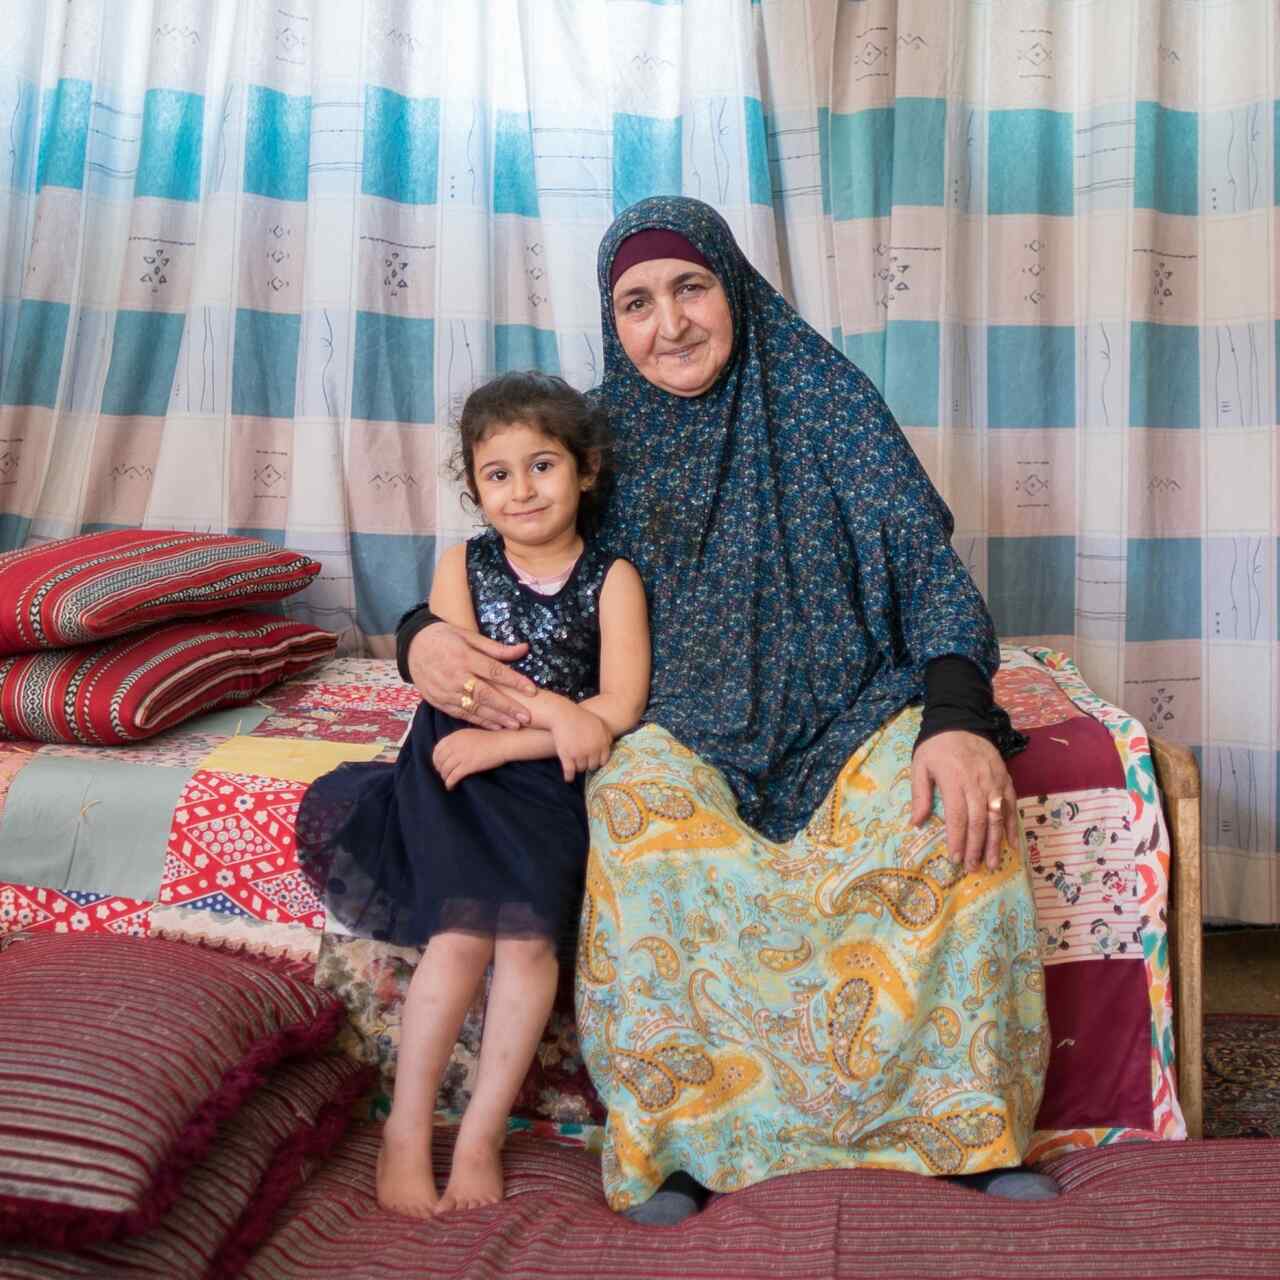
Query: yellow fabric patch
{"points": [[289, 759]]}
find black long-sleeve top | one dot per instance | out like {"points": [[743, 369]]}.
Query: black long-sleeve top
{"points": [[957, 694]]}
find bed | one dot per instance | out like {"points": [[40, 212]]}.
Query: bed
{"points": [[189, 837]]}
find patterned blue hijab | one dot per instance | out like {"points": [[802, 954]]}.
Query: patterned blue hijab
{"points": [[797, 560]]}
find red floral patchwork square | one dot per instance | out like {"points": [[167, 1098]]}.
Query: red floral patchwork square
{"points": [[231, 850], [27, 909]]}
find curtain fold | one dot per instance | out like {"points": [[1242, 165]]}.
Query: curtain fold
{"points": [[257, 252]]}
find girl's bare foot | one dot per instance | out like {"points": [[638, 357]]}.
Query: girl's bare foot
{"points": [[405, 1181], [476, 1176]]}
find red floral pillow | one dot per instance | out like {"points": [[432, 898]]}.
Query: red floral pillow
{"points": [[119, 1060], [78, 590], [130, 688]]}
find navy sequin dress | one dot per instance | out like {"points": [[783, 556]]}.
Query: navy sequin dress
{"points": [[397, 857]]}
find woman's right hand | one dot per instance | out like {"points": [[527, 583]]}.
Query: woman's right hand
{"points": [[448, 664]]}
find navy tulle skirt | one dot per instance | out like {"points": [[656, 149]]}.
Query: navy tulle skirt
{"points": [[395, 856]]}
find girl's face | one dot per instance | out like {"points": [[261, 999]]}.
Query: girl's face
{"points": [[674, 322], [528, 485]]}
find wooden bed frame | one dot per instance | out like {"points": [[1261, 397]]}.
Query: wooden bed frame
{"points": [[1179, 780]]}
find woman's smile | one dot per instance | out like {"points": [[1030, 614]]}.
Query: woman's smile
{"points": [[682, 353]]}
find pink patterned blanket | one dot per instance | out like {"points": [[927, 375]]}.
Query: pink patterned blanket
{"points": [[190, 835]]}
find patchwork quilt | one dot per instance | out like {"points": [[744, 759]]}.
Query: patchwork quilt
{"points": [[191, 835]]}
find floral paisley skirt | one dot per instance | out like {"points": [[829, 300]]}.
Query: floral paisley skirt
{"points": [[749, 1009]]}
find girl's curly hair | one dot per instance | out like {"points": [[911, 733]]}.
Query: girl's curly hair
{"points": [[549, 404]]}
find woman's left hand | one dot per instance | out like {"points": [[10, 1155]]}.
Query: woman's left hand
{"points": [[978, 800]]}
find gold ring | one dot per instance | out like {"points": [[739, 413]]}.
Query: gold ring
{"points": [[469, 686], [995, 806], [466, 702]]}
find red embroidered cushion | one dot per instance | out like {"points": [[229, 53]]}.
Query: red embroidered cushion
{"points": [[78, 590], [119, 1059], [135, 686]]}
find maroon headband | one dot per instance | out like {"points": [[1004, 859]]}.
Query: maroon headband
{"points": [[645, 246]]}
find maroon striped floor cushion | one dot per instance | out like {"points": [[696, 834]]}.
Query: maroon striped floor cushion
{"points": [[119, 1058], [228, 1198], [135, 686], [1209, 1210], [85, 589]]}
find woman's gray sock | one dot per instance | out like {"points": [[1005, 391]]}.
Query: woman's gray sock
{"points": [[1012, 1184], [679, 1197]]}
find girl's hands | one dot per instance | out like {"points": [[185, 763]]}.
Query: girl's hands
{"points": [[971, 778], [449, 664], [582, 741], [465, 751]]}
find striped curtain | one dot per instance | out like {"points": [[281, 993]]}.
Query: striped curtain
{"points": [[1054, 248], [256, 253]]}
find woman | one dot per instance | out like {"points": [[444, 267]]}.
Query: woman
{"points": [[780, 967]]}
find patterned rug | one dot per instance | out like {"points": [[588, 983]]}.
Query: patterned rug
{"points": [[1242, 1075]]}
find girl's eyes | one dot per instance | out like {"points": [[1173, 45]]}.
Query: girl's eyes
{"points": [[498, 475]]}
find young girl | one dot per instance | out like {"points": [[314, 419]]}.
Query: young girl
{"points": [[475, 840]]}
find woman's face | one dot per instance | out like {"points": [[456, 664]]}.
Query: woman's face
{"points": [[674, 322]]}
